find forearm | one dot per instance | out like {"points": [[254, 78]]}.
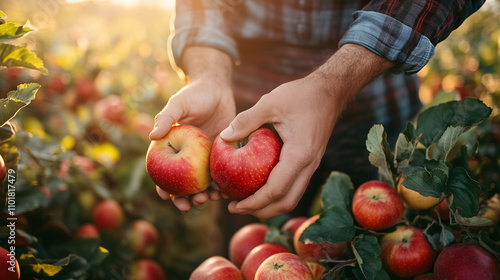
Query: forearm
{"points": [[208, 64], [346, 72]]}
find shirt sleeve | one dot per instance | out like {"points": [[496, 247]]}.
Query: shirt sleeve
{"points": [[200, 23], [406, 32]]}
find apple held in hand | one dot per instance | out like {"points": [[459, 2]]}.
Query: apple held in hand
{"points": [[240, 168], [376, 205], [283, 266], [216, 268], [406, 252], [466, 261], [178, 163]]}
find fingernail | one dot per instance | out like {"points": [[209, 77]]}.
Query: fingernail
{"points": [[226, 132]]}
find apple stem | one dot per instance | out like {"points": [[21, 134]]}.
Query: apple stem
{"points": [[172, 147], [277, 266]]}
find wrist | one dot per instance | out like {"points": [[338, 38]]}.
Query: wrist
{"points": [[208, 65]]}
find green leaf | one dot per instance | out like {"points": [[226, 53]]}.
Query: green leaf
{"points": [[430, 180], [16, 100], [367, 252], [334, 225], [18, 56], [380, 153], [449, 139], [337, 191], [434, 121], [474, 221], [405, 147], [9, 31], [465, 191]]}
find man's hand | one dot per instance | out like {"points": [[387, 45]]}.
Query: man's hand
{"points": [[207, 102], [303, 113]]}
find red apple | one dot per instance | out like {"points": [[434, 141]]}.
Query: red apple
{"points": [[9, 267], [57, 83], [427, 276], [284, 266], [466, 261], [240, 168], [315, 252], [178, 163], [293, 224], [377, 206], [406, 252], [86, 90], [111, 109], [442, 210], [143, 238], [317, 270], [88, 231], [3, 170], [258, 255], [108, 214], [216, 268], [244, 240], [142, 124], [147, 269]]}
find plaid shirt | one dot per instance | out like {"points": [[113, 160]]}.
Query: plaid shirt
{"points": [[275, 41]]}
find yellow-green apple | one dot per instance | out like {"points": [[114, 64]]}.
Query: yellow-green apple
{"points": [[406, 252], [3, 170], [316, 252], [178, 162], [283, 266], [240, 168], [147, 269], [244, 240], [143, 238], [466, 261], [108, 214], [258, 255], [9, 267], [293, 224], [414, 200], [216, 268], [87, 231], [377, 205], [317, 270], [111, 109], [492, 209]]}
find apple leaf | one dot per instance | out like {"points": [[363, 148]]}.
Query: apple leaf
{"points": [[430, 180], [466, 192], [405, 146], [449, 139], [440, 239], [434, 121], [367, 251], [380, 153], [18, 56], [16, 100], [474, 221], [337, 191], [9, 31], [334, 225]]}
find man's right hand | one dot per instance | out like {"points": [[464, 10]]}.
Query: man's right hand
{"points": [[206, 102]]}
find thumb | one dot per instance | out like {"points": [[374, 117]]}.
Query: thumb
{"points": [[245, 123], [164, 121]]}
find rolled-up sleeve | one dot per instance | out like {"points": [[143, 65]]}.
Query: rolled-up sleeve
{"points": [[406, 32], [199, 23]]}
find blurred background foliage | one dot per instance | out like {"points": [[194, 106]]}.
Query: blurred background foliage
{"points": [[74, 154]]}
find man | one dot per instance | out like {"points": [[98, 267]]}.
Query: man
{"points": [[322, 72]]}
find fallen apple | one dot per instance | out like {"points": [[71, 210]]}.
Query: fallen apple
{"points": [[283, 266], [240, 168], [178, 163], [466, 261], [244, 240], [216, 268], [316, 252], [377, 205], [406, 252], [258, 255]]}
